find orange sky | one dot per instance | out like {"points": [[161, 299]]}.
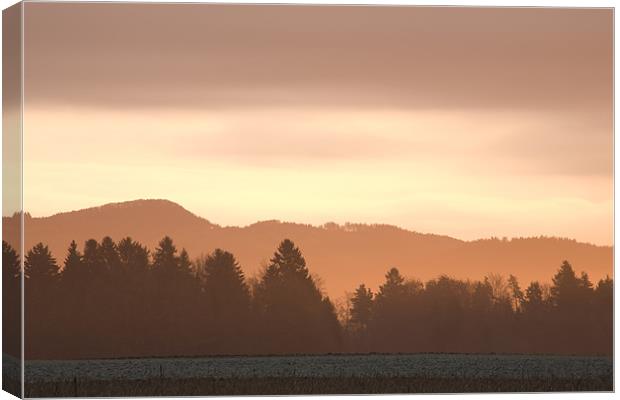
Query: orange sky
{"points": [[467, 122]]}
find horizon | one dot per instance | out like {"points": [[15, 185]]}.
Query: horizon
{"points": [[320, 225]]}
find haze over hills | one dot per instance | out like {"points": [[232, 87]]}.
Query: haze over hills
{"points": [[342, 255]]}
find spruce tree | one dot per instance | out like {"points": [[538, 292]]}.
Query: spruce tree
{"points": [[288, 300], [165, 260], [40, 267], [133, 256], [93, 261], [74, 270], [10, 263], [108, 252], [361, 308], [225, 287]]}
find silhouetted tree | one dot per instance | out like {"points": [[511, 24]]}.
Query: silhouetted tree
{"points": [[109, 254], [41, 275], [93, 260], [360, 314], [224, 286], [137, 290], [482, 299], [397, 305], [11, 301], [361, 307], [10, 263], [533, 300], [133, 256], [227, 303], [603, 313], [165, 260], [499, 287], [74, 271], [586, 290], [185, 265], [176, 296], [516, 293], [76, 295], [291, 307], [40, 267], [566, 287], [446, 303], [393, 286], [604, 291], [481, 318]]}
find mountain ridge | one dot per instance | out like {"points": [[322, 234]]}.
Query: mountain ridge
{"points": [[342, 255], [345, 226]]}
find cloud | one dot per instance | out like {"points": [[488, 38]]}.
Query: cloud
{"points": [[225, 56], [561, 145], [480, 143]]}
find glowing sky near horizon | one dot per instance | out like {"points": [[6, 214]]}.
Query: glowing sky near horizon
{"points": [[477, 128]]}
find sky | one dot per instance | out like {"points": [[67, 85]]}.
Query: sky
{"points": [[468, 122]]}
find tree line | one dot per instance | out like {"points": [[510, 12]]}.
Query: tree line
{"points": [[119, 299]]}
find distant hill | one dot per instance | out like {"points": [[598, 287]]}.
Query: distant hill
{"points": [[342, 255]]}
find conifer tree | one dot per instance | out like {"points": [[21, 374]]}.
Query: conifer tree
{"points": [[10, 263], [133, 256], [165, 260], [74, 271], [288, 300], [93, 261], [225, 287], [108, 252], [40, 267], [361, 307]]}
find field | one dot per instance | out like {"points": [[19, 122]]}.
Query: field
{"points": [[310, 385], [328, 374]]}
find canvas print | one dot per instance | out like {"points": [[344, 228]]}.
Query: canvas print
{"points": [[232, 199]]}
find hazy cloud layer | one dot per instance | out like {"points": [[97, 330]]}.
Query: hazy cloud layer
{"points": [[124, 55], [482, 142]]}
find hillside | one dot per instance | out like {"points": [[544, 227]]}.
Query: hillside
{"points": [[342, 255]]}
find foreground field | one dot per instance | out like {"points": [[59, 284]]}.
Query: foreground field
{"points": [[442, 365], [315, 374], [309, 385]]}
